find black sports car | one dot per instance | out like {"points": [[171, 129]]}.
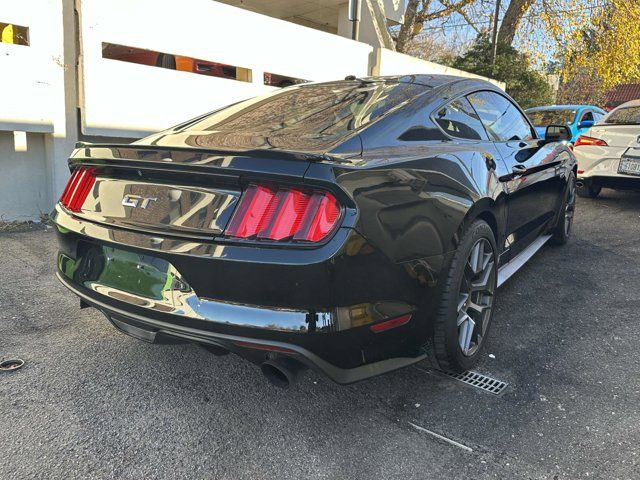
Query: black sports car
{"points": [[354, 227]]}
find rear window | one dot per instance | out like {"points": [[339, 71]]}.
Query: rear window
{"points": [[308, 117], [624, 116], [542, 118]]}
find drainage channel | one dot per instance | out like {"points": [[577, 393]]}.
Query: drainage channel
{"points": [[473, 379]]}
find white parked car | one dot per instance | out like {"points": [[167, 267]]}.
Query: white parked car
{"points": [[609, 152]]}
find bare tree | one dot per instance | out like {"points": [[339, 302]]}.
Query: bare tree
{"points": [[418, 12], [512, 18]]}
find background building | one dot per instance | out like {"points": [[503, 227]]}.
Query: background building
{"points": [[117, 70]]}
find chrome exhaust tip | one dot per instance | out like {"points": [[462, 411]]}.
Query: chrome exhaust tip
{"points": [[579, 183]]}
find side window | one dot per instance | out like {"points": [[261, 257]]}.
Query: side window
{"points": [[597, 116], [588, 116], [500, 117], [460, 120]]}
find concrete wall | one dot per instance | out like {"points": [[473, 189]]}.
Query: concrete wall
{"points": [[24, 186], [394, 63], [43, 90], [37, 96]]}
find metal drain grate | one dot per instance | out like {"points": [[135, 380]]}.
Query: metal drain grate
{"points": [[478, 380]]}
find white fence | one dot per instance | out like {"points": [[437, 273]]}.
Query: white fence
{"points": [[42, 91], [394, 63], [128, 99], [31, 76]]}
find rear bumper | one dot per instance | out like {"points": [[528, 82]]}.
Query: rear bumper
{"points": [[595, 162], [315, 305], [254, 349]]}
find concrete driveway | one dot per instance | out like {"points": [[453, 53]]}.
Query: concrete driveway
{"points": [[93, 403]]}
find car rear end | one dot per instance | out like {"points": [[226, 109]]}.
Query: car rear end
{"points": [[237, 252], [608, 153], [232, 231]]}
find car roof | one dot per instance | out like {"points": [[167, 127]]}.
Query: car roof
{"points": [[562, 107], [431, 81]]}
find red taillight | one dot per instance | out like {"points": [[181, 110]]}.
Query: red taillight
{"points": [[78, 188], [389, 324], [584, 140], [284, 214]]}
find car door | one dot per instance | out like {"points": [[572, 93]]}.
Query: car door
{"points": [[532, 184]]}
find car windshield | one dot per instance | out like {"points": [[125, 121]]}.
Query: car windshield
{"points": [[556, 116], [303, 118], [624, 116]]}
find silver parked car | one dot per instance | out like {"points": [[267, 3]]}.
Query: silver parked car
{"points": [[609, 152]]}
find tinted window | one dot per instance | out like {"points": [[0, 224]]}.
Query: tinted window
{"points": [[556, 116], [588, 117], [309, 117], [624, 116], [502, 120], [459, 119]]}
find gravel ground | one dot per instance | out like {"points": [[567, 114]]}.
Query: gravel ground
{"points": [[93, 403]]}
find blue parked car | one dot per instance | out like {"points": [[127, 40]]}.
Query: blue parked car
{"points": [[577, 117]]}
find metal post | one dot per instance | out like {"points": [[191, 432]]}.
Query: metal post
{"points": [[354, 18], [494, 34]]}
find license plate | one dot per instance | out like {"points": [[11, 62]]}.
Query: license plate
{"points": [[629, 166]]}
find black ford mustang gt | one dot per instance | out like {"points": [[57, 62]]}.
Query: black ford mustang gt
{"points": [[354, 227]]}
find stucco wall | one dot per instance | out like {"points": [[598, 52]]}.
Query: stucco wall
{"points": [[24, 191]]}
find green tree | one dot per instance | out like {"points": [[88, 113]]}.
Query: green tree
{"points": [[527, 86]]}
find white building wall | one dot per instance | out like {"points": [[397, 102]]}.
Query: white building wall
{"points": [[42, 89], [32, 100], [24, 183], [125, 99]]}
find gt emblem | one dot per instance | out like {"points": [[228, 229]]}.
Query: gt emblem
{"points": [[136, 201]]}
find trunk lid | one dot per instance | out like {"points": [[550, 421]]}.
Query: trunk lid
{"points": [[189, 193], [617, 135]]}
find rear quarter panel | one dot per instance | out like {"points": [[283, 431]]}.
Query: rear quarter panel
{"points": [[414, 201]]}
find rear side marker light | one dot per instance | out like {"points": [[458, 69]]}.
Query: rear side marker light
{"points": [[389, 324], [590, 141], [259, 346], [284, 214], [78, 188]]}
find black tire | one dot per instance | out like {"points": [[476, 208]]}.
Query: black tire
{"points": [[447, 349], [562, 232], [588, 190], [166, 61]]}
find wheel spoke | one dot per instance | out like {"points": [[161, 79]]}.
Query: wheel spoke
{"points": [[476, 307], [462, 317], [462, 299], [466, 334], [475, 257], [482, 283]]}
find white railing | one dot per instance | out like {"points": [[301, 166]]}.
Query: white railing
{"points": [[32, 77], [38, 82], [128, 99], [394, 63]]}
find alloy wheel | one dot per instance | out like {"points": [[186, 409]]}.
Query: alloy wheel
{"points": [[475, 299]]}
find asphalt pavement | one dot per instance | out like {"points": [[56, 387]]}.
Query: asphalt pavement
{"points": [[93, 403]]}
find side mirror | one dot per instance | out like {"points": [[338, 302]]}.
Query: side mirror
{"points": [[557, 133], [586, 124]]}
